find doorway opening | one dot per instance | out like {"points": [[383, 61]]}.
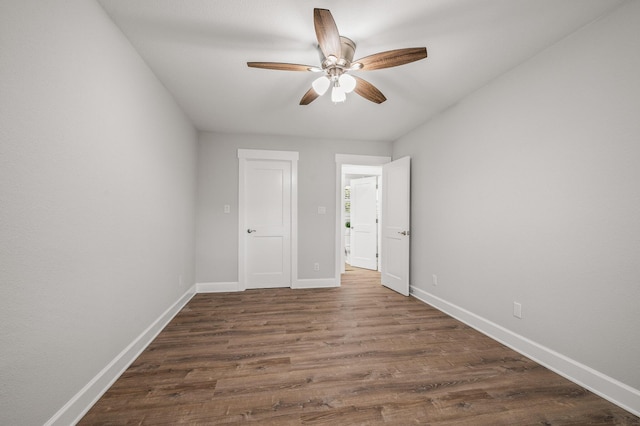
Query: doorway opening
{"points": [[361, 213], [348, 169], [360, 279], [395, 220]]}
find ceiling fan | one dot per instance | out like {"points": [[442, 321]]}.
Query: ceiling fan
{"points": [[336, 54]]}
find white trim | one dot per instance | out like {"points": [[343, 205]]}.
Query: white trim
{"points": [[220, 287], [607, 387], [224, 287], [362, 160], [241, 225], [317, 283], [81, 402], [258, 154], [294, 220], [354, 160]]}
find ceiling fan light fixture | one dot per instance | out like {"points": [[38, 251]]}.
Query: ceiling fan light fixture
{"points": [[321, 85], [338, 94], [347, 82]]}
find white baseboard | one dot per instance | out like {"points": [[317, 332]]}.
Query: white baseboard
{"points": [[316, 283], [217, 287], [607, 387], [222, 287], [77, 407]]}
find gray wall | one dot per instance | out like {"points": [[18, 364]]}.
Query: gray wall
{"points": [[217, 236], [97, 187], [528, 191]]}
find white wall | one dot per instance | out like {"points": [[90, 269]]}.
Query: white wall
{"points": [[97, 187], [529, 190], [217, 236]]}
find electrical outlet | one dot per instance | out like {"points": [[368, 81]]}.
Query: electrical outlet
{"points": [[227, 208], [435, 279], [517, 310], [316, 266]]}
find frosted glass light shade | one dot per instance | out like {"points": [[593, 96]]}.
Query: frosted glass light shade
{"points": [[347, 82], [320, 85], [338, 94]]}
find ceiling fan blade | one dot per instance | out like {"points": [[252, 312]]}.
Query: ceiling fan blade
{"points": [[327, 33], [309, 97], [368, 91], [392, 58], [281, 66]]}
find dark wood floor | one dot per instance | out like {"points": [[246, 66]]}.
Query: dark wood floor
{"points": [[359, 354]]}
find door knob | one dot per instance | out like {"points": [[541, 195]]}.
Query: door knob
{"points": [[404, 233], [250, 231]]}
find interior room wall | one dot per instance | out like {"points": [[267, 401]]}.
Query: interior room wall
{"points": [[217, 236], [528, 191], [97, 187]]}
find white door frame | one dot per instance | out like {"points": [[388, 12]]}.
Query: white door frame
{"points": [[346, 159], [257, 154]]}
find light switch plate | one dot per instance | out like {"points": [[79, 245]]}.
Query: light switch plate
{"points": [[517, 310]]}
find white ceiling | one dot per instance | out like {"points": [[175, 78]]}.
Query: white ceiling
{"points": [[199, 50]]}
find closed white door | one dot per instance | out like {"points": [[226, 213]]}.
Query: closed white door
{"points": [[395, 216], [266, 221], [364, 228]]}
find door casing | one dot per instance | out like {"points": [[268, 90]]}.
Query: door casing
{"points": [[343, 160], [245, 155]]}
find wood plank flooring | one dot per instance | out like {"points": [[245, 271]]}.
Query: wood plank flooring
{"points": [[359, 354]]}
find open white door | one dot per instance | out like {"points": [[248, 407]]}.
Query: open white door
{"points": [[395, 217], [364, 227]]}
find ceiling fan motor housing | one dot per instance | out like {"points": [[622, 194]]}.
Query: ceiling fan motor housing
{"points": [[335, 66]]}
